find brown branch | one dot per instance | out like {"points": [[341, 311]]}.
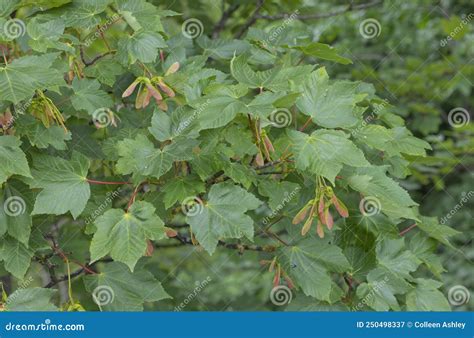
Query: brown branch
{"points": [[94, 60], [222, 22], [349, 8], [251, 20], [404, 231], [183, 241]]}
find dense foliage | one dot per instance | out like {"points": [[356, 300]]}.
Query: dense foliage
{"points": [[154, 160]]}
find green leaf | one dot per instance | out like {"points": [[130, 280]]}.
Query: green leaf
{"points": [[142, 46], [434, 229], [324, 152], [373, 183], [222, 215], [105, 71], [274, 79], [40, 136], [393, 255], [308, 263], [117, 289], [322, 51], [88, 96], [392, 141], [64, 184], [330, 105], [427, 297], [15, 218], [16, 257], [24, 75], [179, 188], [31, 299], [140, 157], [123, 235], [12, 158]]}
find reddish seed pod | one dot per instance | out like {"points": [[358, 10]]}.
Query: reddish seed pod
{"points": [[328, 218], [340, 207], [164, 87], [130, 89], [268, 144], [307, 226], [173, 69], [301, 215], [320, 230], [154, 91]]}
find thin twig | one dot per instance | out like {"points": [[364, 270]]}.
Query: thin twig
{"points": [[349, 8], [251, 20], [225, 17]]}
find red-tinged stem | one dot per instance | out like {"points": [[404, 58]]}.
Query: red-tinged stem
{"points": [[305, 124], [132, 198], [103, 182], [403, 232]]}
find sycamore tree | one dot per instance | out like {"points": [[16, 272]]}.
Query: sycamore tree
{"points": [[135, 138]]}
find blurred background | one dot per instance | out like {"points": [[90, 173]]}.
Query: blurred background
{"points": [[419, 56]]}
